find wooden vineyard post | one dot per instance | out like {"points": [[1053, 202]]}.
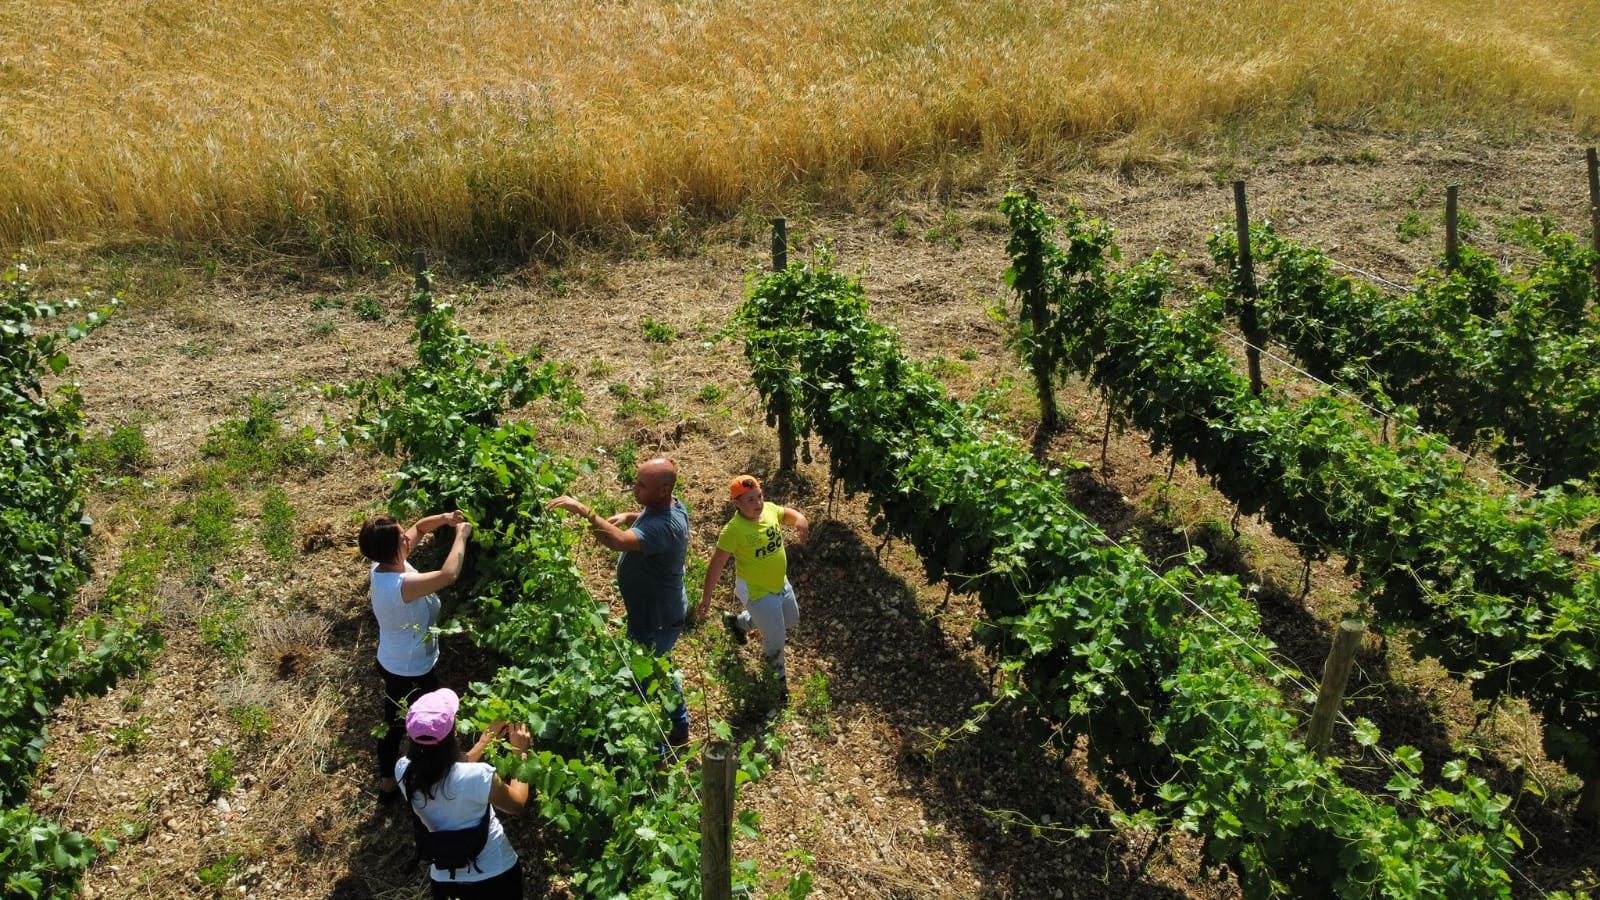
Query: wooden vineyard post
{"points": [[1594, 229], [419, 272], [1452, 236], [780, 245], [1031, 291], [1247, 288], [716, 821], [1335, 675], [783, 404]]}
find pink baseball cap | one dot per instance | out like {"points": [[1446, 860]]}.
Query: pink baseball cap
{"points": [[433, 716]]}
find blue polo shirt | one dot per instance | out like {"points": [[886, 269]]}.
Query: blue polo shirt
{"points": [[651, 579]]}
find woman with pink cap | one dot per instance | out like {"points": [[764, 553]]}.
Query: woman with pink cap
{"points": [[455, 797]]}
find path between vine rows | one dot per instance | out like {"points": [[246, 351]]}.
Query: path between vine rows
{"points": [[866, 789]]}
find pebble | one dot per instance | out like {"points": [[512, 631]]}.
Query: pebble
{"points": [[223, 806]]}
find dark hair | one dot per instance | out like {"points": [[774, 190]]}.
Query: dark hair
{"points": [[429, 764], [380, 539]]}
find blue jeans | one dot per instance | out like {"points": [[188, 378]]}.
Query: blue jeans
{"points": [[661, 641]]}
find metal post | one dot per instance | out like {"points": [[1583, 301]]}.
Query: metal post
{"points": [[1247, 288], [423, 297]]}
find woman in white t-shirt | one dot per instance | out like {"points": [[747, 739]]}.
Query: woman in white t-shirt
{"points": [[406, 604], [450, 790]]}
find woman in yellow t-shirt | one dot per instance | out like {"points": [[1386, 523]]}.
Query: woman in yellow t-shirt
{"points": [[754, 539]]}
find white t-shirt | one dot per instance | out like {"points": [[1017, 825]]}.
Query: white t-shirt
{"points": [[458, 803], [405, 643]]}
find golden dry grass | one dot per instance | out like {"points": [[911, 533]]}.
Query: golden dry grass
{"points": [[493, 126]]}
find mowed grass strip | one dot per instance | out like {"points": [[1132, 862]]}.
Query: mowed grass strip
{"points": [[476, 125]]}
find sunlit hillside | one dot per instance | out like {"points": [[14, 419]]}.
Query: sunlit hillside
{"points": [[477, 126]]}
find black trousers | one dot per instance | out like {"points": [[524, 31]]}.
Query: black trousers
{"points": [[398, 692]]}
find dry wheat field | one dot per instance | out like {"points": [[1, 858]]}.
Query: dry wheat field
{"points": [[592, 183], [508, 126]]}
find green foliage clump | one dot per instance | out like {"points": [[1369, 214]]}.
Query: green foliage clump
{"points": [[257, 447], [658, 332], [220, 764], [122, 451], [277, 524], [368, 309], [215, 874], [252, 719]]}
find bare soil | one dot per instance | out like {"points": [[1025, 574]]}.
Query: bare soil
{"points": [[873, 788]]}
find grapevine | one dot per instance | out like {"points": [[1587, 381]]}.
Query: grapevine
{"points": [[1472, 568], [1181, 711], [628, 830]]}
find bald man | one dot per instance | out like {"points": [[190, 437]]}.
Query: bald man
{"points": [[654, 544]]}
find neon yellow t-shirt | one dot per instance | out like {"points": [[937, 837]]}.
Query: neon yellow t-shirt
{"points": [[757, 548]]}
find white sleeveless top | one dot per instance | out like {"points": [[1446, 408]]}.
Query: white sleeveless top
{"points": [[458, 803], [405, 644]]}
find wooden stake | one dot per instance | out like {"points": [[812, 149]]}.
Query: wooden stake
{"points": [[783, 404], [1452, 237], [1247, 288], [780, 244], [716, 821], [424, 286], [1594, 221], [1335, 676], [419, 268]]}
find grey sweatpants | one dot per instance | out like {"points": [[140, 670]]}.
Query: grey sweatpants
{"points": [[774, 614]]}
